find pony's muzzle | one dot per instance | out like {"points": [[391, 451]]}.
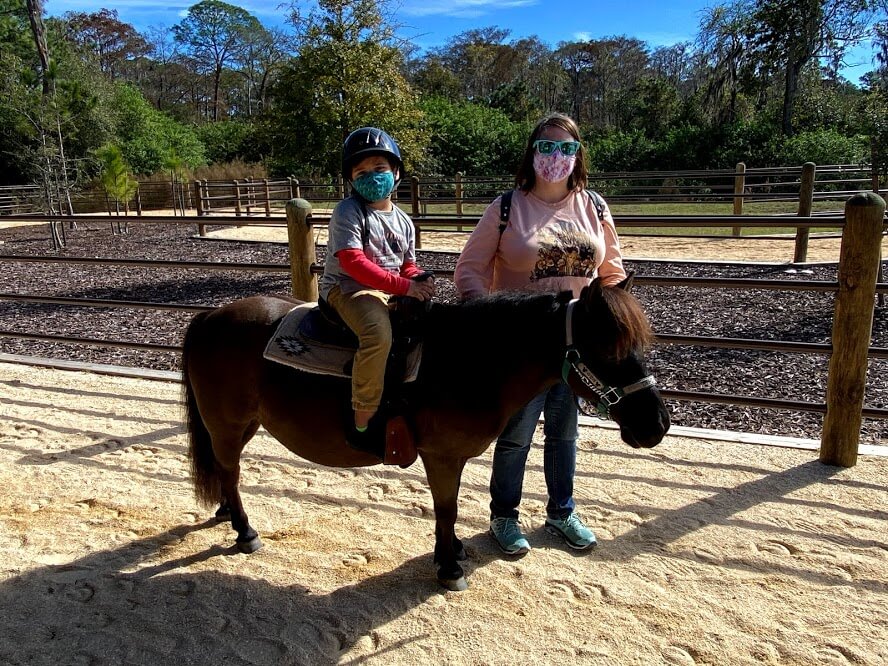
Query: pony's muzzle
{"points": [[642, 433]]}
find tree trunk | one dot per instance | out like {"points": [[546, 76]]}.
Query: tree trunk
{"points": [[35, 16], [217, 83], [790, 92]]}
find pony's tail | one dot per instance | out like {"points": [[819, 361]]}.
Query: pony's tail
{"points": [[204, 477]]}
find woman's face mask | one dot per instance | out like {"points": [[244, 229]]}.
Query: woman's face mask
{"points": [[375, 185], [554, 167]]}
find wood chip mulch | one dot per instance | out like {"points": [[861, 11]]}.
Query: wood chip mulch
{"points": [[802, 316]]}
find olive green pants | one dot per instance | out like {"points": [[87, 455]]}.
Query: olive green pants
{"points": [[366, 313]]}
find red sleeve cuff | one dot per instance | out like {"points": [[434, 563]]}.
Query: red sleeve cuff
{"points": [[410, 270], [358, 267]]}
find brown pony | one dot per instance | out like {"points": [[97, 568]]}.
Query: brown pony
{"points": [[482, 361]]}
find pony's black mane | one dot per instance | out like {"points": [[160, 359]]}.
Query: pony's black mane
{"points": [[501, 318], [469, 347], [514, 320]]}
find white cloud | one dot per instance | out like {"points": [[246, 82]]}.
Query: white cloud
{"points": [[462, 8], [128, 9], [582, 36]]}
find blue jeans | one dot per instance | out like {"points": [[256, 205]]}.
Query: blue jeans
{"points": [[559, 454]]}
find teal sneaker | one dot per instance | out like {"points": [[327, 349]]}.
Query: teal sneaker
{"points": [[572, 529], [509, 536]]}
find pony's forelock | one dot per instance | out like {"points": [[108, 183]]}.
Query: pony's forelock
{"points": [[633, 325]]}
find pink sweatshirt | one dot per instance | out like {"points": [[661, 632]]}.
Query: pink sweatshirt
{"points": [[545, 247]]}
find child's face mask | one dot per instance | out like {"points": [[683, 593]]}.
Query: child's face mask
{"points": [[375, 186], [553, 167]]}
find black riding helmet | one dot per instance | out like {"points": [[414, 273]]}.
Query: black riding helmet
{"points": [[369, 141]]}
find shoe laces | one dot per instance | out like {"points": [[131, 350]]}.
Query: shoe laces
{"points": [[574, 522], [507, 527]]}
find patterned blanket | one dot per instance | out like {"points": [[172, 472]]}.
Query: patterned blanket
{"points": [[293, 345]]}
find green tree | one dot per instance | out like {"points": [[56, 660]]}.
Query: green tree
{"points": [[216, 34], [260, 61], [515, 101], [347, 74], [789, 34], [725, 48], [824, 146], [229, 140], [115, 177], [147, 136], [432, 78], [471, 138], [480, 60]]}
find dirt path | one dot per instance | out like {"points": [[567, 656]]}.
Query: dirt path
{"points": [[778, 250], [710, 553]]}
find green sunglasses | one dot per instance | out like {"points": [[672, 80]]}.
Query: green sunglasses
{"points": [[547, 147]]}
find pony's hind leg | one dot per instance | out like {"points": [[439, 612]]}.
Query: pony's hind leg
{"points": [[228, 468], [223, 513]]}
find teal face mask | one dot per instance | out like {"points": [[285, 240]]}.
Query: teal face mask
{"points": [[375, 186]]}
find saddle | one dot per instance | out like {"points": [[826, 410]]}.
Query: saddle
{"points": [[313, 338]]}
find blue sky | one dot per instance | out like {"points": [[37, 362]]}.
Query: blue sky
{"points": [[430, 23]]}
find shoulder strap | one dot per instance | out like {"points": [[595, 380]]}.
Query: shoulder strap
{"points": [[598, 201], [365, 233], [505, 209]]}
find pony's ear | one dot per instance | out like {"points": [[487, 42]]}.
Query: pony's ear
{"points": [[592, 292], [627, 282]]}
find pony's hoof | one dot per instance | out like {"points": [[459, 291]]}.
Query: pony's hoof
{"points": [[455, 585], [249, 545], [453, 578]]}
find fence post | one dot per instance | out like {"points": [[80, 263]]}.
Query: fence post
{"points": [[237, 197], [458, 194], [739, 186], [197, 198], [267, 198], [806, 205], [414, 194], [302, 250], [875, 161], [852, 328], [138, 199]]}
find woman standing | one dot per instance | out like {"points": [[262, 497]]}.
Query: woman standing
{"points": [[555, 240]]}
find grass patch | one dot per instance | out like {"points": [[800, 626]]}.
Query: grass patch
{"points": [[788, 208]]}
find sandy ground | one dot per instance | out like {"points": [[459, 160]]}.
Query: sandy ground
{"points": [[778, 250], [710, 553]]}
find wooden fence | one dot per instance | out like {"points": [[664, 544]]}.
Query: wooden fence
{"points": [[462, 195], [862, 224], [19, 199]]}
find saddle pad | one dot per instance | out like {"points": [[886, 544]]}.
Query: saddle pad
{"points": [[290, 346]]}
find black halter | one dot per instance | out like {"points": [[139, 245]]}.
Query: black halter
{"points": [[608, 396]]}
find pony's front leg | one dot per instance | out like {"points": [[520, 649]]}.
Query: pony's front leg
{"points": [[444, 475]]}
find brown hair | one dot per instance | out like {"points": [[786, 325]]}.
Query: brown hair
{"points": [[525, 179]]}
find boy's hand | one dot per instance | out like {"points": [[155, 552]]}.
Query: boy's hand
{"points": [[422, 290]]}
